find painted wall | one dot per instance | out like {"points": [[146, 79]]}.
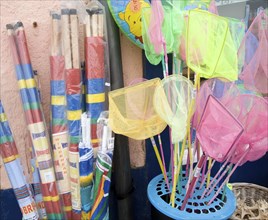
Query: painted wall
{"points": [[38, 39]]}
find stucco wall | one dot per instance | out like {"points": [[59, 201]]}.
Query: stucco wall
{"points": [[38, 43]]}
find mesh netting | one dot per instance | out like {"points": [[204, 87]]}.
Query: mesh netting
{"points": [[214, 132], [251, 112], [211, 43], [220, 88], [151, 31], [172, 101], [253, 51], [131, 111]]}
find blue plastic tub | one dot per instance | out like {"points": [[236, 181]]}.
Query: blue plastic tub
{"points": [[196, 208]]}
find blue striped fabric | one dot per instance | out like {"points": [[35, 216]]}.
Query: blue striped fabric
{"points": [[57, 87], [28, 71], [74, 102], [95, 109], [5, 129], [95, 86], [73, 127], [22, 192], [19, 72], [24, 96], [33, 95], [58, 111]]}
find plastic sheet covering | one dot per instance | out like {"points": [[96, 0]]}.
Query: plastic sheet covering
{"points": [[252, 113], [73, 78], [35, 120], [253, 51], [172, 101], [58, 116], [11, 159], [131, 111], [211, 50], [216, 136], [96, 65]]}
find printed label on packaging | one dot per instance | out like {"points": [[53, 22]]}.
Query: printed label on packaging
{"points": [[28, 209], [61, 161], [74, 177], [111, 143], [42, 152]]}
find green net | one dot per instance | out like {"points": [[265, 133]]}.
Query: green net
{"points": [[211, 45]]}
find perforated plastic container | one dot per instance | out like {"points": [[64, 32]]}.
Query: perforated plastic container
{"points": [[196, 208]]}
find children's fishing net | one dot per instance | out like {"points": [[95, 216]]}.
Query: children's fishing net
{"points": [[251, 112], [157, 31], [214, 132], [253, 51], [131, 111], [172, 101], [211, 44]]}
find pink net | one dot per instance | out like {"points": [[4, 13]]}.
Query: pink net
{"points": [[218, 130], [251, 112], [220, 88], [253, 51]]}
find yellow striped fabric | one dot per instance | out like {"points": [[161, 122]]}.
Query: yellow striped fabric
{"points": [[11, 158], [29, 83], [94, 141], [51, 198], [74, 115], [67, 208], [95, 98], [58, 100], [3, 117]]}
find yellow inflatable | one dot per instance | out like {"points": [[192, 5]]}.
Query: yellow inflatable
{"points": [[127, 15]]}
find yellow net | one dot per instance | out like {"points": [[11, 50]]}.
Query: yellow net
{"points": [[131, 111], [211, 49]]}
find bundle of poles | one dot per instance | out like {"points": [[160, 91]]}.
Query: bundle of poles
{"points": [[59, 126], [12, 163], [35, 120], [70, 34], [95, 68]]}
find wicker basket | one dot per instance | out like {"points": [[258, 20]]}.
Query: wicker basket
{"points": [[249, 193]]}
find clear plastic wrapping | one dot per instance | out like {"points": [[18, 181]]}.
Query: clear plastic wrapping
{"points": [[11, 159], [34, 118], [70, 43], [58, 116], [96, 65]]}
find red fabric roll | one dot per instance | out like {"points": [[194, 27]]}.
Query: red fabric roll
{"points": [[76, 216], [94, 135], [94, 53], [22, 46], [67, 202], [57, 68], [37, 115], [59, 128], [8, 149], [73, 81], [13, 50], [73, 147]]}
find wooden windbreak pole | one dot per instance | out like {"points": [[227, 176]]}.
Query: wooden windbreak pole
{"points": [[59, 129], [73, 90], [74, 39], [66, 38]]}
